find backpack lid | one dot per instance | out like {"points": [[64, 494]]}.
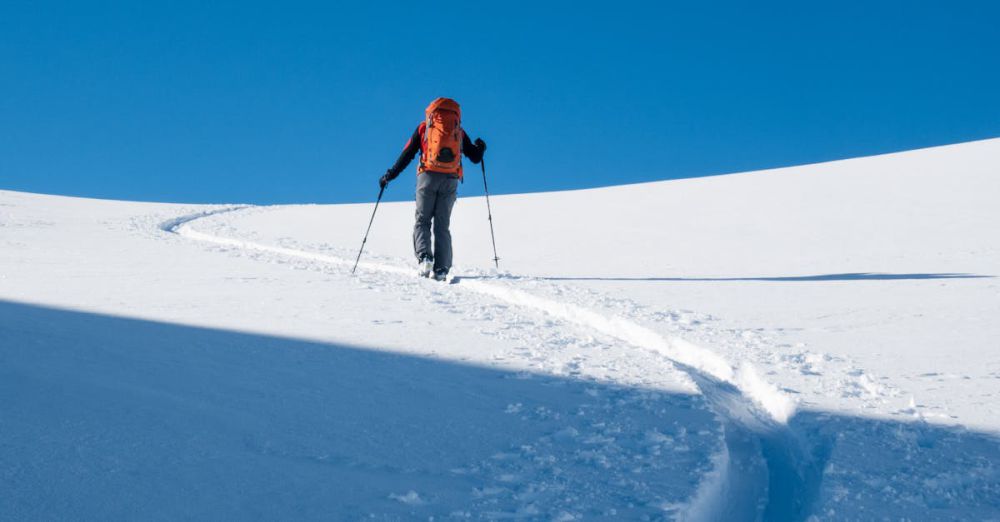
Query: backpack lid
{"points": [[446, 104]]}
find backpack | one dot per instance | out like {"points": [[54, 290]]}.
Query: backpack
{"points": [[441, 149]]}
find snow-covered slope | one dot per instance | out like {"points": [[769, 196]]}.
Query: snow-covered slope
{"points": [[812, 341]]}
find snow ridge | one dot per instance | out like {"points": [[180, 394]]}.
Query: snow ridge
{"points": [[759, 444]]}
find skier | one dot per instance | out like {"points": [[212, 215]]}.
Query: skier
{"points": [[441, 142]]}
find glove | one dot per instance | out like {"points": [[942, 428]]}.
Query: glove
{"points": [[481, 144], [384, 180]]}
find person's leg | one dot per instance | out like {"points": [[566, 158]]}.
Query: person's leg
{"points": [[446, 194], [426, 199]]}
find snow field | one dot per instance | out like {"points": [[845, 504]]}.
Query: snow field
{"points": [[763, 469], [774, 410], [812, 343], [198, 391]]}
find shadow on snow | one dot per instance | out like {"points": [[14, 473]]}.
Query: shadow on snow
{"points": [[105, 417]]}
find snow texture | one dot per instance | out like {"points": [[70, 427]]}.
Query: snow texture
{"points": [[810, 343]]}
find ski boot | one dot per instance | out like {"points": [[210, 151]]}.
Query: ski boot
{"points": [[425, 266]]}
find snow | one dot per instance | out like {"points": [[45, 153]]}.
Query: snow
{"points": [[816, 342]]}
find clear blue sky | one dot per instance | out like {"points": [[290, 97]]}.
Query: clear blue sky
{"points": [[310, 102]]}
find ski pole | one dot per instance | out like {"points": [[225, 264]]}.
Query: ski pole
{"points": [[370, 221], [489, 213]]}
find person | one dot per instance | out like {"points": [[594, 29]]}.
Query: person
{"points": [[441, 142]]}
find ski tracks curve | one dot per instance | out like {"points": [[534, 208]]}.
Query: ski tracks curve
{"points": [[766, 470]]}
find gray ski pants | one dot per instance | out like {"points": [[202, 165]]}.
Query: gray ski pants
{"points": [[436, 195]]}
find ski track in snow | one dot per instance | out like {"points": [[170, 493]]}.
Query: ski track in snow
{"points": [[765, 469]]}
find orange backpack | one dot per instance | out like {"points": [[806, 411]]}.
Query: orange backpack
{"points": [[442, 146]]}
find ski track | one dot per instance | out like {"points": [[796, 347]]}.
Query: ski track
{"points": [[766, 469]]}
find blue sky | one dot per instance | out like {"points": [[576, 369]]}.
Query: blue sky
{"points": [[311, 102]]}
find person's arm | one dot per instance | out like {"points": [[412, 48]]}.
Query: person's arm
{"points": [[405, 157], [473, 151]]}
